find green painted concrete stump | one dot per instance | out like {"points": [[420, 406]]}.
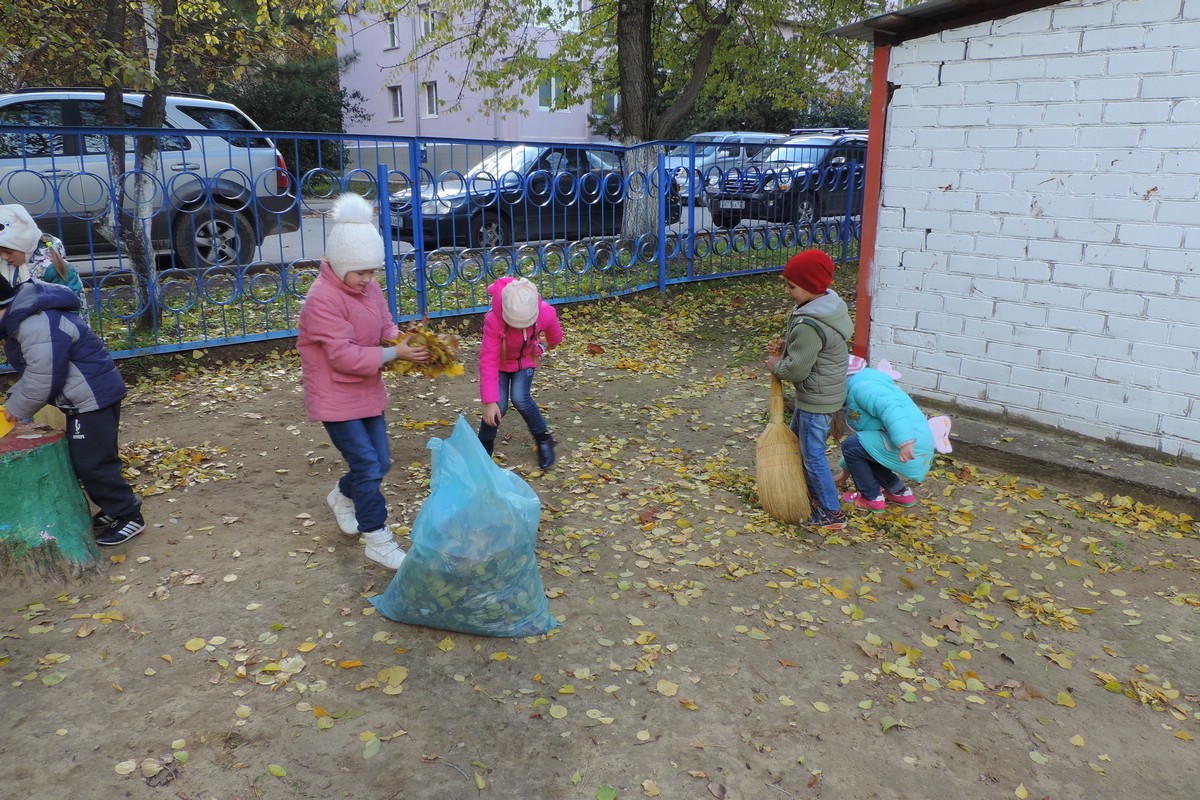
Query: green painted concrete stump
{"points": [[45, 521]]}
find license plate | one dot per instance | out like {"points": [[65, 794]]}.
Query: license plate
{"points": [[733, 204], [397, 222]]}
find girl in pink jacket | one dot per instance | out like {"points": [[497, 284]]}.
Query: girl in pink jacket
{"points": [[343, 326], [510, 352]]}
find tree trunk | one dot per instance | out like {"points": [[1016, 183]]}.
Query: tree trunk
{"points": [[45, 523], [635, 69]]}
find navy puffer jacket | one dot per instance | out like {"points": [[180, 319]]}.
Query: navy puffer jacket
{"points": [[60, 360]]}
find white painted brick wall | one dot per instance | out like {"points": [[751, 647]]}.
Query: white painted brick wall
{"points": [[1039, 245]]}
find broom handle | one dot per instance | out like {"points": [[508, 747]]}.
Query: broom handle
{"points": [[776, 399]]}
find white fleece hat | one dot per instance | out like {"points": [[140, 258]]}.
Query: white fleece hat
{"points": [[354, 242], [18, 231], [520, 302]]}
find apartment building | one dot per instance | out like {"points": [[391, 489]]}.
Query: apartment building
{"points": [[408, 94]]}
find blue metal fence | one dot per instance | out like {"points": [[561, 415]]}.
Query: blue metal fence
{"points": [[233, 224]]}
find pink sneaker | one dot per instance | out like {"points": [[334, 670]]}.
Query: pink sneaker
{"points": [[875, 506], [905, 498]]}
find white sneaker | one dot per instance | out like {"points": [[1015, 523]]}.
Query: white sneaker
{"points": [[343, 510], [383, 549]]}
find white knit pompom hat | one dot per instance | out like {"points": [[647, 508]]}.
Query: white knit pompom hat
{"points": [[520, 303], [354, 242]]}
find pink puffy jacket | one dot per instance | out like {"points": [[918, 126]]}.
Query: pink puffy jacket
{"points": [[341, 350], [506, 349]]}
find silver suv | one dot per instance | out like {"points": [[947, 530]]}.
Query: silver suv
{"points": [[218, 195], [715, 153]]}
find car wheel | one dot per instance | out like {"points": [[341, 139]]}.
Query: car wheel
{"points": [[807, 211], [490, 230], [207, 238]]}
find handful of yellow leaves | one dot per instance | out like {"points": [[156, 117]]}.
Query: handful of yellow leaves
{"points": [[443, 353]]}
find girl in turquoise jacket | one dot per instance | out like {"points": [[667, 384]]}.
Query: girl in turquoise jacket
{"points": [[891, 435]]}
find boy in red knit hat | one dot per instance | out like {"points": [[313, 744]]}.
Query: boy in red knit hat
{"points": [[813, 355]]}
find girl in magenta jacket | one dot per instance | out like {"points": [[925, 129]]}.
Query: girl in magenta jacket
{"points": [[510, 352], [344, 324]]}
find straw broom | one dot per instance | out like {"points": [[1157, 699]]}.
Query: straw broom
{"points": [[782, 487]]}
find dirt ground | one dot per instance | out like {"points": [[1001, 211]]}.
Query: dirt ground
{"points": [[1003, 639]]}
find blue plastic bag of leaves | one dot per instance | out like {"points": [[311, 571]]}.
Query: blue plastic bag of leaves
{"points": [[472, 567]]}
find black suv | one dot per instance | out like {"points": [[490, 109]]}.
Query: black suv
{"points": [[801, 180]]}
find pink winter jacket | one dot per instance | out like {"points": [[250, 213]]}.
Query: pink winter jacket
{"points": [[341, 350], [522, 347]]}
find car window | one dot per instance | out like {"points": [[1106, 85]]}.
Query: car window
{"points": [[38, 113], [705, 145], [91, 115], [805, 155], [225, 119], [754, 148], [844, 155], [604, 160], [506, 159]]}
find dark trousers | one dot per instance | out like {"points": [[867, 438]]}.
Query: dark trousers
{"points": [[92, 443]]}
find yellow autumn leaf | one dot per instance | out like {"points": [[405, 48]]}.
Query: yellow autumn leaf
{"points": [[446, 645], [557, 711], [1065, 699], [277, 771], [1184, 735], [194, 645], [1021, 792], [822, 707], [1077, 740], [666, 688], [306, 647], [350, 663]]}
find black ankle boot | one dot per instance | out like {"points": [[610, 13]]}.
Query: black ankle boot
{"points": [[545, 446]]}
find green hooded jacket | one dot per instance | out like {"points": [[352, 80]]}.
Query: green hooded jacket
{"points": [[816, 365]]}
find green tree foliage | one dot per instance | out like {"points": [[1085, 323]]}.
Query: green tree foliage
{"points": [[717, 59], [299, 95]]}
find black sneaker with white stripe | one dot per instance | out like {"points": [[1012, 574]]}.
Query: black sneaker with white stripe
{"points": [[121, 530], [100, 523]]}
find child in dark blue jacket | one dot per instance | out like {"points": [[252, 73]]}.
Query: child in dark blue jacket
{"points": [[60, 361]]}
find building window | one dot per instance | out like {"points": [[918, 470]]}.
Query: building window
{"points": [[396, 95], [610, 104], [550, 95], [428, 20], [431, 99], [393, 30]]}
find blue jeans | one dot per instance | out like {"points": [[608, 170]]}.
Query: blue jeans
{"points": [[813, 432], [364, 445], [514, 387], [869, 475]]}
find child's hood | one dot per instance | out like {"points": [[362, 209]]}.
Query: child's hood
{"points": [[830, 309], [495, 289], [34, 297]]}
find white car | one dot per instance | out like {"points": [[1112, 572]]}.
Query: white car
{"points": [[217, 195]]}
